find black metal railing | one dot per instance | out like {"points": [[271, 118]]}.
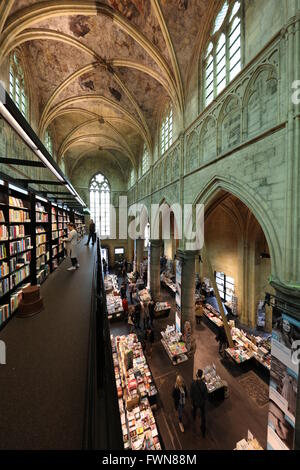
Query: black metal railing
{"points": [[102, 423]]}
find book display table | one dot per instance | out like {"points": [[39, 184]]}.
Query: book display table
{"points": [[162, 309], [136, 393], [174, 346], [214, 383]]}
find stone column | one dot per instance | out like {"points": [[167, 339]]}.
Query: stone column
{"points": [[139, 253], [187, 259], [155, 250]]}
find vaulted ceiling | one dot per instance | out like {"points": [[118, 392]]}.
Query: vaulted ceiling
{"points": [[102, 70]]}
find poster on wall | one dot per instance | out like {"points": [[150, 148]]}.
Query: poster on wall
{"points": [[283, 382], [178, 291]]}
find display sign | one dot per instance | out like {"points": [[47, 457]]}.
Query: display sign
{"points": [[283, 382], [119, 251], [178, 322], [178, 293], [178, 284]]}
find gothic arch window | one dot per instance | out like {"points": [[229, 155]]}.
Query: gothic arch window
{"points": [[17, 86], [223, 58], [166, 130], [131, 179], [100, 204], [49, 142], [145, 160]]}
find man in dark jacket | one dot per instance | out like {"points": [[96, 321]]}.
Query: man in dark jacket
{"points": [[92, 232], [199, 396], [222, 339]]}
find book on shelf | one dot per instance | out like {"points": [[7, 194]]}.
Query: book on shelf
{"points": [[16, 215], [4, 269], [4, 313], [16, 231], [4, 287], [18, 261], [3, 253], [2, 218], [16, 298], [16, 202], [3, 233], [19, 246], [41, 217], [19, 276], [41, 239]]}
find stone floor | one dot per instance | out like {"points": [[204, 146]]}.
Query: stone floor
{"points": [[228, 421]]}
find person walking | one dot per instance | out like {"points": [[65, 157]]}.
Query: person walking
{"points": [[150, 340], [199, 396], [123, 291], [131, 322], [151, 308], [104, 264], [71, 246], [137, 315], [179, 396], [222, 339], [130, 291], [92, 233], [125, 307]]}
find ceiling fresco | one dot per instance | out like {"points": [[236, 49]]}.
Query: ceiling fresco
{"points": [[104, 69]]}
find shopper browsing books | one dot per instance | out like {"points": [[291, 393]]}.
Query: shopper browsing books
{"points": [[222, 339], [92, 232], [179, 397], [199, 396], [71, 246]]}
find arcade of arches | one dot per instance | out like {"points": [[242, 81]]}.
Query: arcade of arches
{"points": [[173, 103]]}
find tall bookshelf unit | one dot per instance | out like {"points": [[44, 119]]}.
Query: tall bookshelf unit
{"points": [[31, 247]]}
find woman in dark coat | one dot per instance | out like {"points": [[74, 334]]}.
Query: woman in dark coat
{"points": [[179, 397]]}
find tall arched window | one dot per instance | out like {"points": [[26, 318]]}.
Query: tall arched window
{"points": [[100, 204], [166, 131], [48, 142], [223, 58], [131, 179], [145, 160], [17, 87]]}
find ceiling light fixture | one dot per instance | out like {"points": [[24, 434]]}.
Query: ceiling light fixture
{"points": [[6, 114]]}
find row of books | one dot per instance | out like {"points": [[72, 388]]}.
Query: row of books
{"points": [[3, 233], [18, 216], [19, 246], [19, 276], [4, 286], [4, 269], [17, 231], [17, 262], [41, 217], [41, 239], [3, 253], [15, 202], [42, 261], [42, 249], [4, 313], [41, 275]]}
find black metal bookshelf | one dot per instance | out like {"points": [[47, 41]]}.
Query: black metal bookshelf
{"points": [[31, 246]]}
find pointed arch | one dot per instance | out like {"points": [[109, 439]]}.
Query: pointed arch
{"points": [[258, 207]]}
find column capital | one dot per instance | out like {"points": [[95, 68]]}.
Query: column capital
{"points": [[287, 298], [156, 243], [186, 255]]}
